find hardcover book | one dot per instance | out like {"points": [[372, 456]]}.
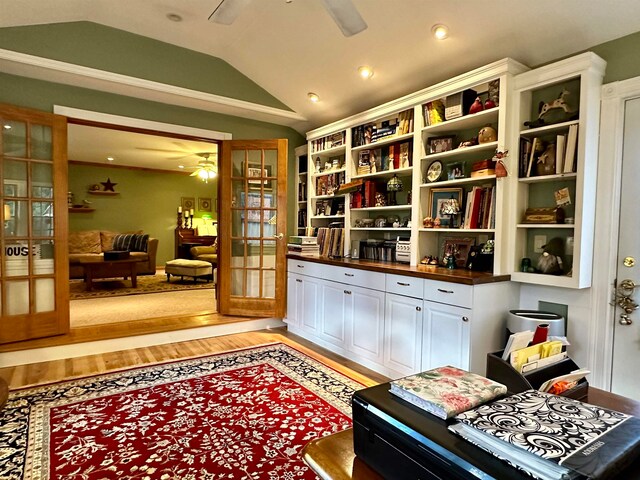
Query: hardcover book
{"points": [[446, 391], [553, 437]]}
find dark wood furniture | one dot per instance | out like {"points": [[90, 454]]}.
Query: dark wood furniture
{"points": [[332, 457], [4, 392], [99, 268], [185, 238]]}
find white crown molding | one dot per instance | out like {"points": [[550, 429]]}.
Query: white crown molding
{"points": [[31, 66], [466, 80], [139, 123]]}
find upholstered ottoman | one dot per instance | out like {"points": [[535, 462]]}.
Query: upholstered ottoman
{"points": [[188, 268]]}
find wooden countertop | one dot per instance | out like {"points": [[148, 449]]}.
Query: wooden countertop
{"points": [[458, 275], [332, 457]]}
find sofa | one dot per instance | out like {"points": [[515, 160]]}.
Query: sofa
{"points": [[206, 253], [89, 244]]}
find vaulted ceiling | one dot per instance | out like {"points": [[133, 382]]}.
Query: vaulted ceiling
{"points": [[292, 48]]}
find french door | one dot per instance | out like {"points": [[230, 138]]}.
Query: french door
{"points": [[252, 226], [34, 272]]}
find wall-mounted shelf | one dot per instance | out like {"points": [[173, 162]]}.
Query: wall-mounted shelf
{"points": [[463, 123], [458, 181], [385, 173], [462, 151], [80, 210], [102, 192]]}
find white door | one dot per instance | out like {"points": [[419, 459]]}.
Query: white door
{"points": [[445, 339], [403, 333], [626, 345]]}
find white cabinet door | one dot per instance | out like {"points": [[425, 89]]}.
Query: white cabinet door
{"points": [[309, 306], [333, 306], [294, 299], [403, 333], [365, 321], [445, 340]]}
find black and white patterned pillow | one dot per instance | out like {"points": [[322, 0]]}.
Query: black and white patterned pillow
{"points": [[131, 242]]}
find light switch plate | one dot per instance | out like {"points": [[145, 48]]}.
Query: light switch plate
{"points": [[539, 241]]}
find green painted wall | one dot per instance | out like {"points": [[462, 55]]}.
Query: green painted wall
{"points": [[105, 48], [623, 60], [146, 201]]}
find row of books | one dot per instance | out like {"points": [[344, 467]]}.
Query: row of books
{"points": [[479, 209], [330, 141], [331, 242], [302, 218], [405, 122], [328, 184], [557, 155], [548, 436], [373, 132], [389, 157], [365, 196], [434, 112]]}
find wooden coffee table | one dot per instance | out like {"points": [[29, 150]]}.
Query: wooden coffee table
{"points": [[99, 268]]}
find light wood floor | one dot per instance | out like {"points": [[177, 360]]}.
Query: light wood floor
{"points": [[54, 371]]}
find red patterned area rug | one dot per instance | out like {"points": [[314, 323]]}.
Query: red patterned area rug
{"points": [[244, 415]]}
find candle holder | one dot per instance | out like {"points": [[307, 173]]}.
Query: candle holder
{"points": [[179, 220]]}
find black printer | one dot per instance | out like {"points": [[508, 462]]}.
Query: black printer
{"points": [[403, 442]]}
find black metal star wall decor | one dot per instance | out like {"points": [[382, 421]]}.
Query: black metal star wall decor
{"points": [[108, 185]]}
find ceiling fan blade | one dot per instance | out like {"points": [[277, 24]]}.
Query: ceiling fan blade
{"points": [[163, 150], [346, 16], [228, 11]]}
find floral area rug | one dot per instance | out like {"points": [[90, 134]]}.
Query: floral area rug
{"points": [[245, 414], [146, 284]]}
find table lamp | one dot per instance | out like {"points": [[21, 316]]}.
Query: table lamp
{"points": [[394, 185], [450, 207]]}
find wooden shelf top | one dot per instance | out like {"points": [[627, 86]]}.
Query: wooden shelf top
{"points": [[80, 210], [102, 192], [458, 275]]}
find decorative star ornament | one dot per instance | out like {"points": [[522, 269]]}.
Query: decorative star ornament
{"points": [[108, 185]]}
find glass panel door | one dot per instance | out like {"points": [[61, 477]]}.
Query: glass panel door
{"points": [[254, 183], [33, 272]]}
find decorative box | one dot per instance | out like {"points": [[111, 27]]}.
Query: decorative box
{"points": [[116, 255]]}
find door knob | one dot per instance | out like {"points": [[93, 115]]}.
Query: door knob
{"points": [[279, 236], [625, 320]]}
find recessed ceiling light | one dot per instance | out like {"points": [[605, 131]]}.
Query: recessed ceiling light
{"points": [[440, 31], [111, 159], [313, 97], [7, 127], [180, 166], [174, 17], [365, 71]]}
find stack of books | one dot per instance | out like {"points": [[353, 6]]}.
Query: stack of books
{"points": [[304, 246], [331, 242], [553, 437], [446, 391]]}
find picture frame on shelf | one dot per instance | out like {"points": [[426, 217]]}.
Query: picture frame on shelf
{"points": [[455, 171], [204, 204], [438, 196], [440, 144], [460, 248]]}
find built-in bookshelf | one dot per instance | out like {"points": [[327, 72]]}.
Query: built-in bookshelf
{"points": [[404, 168], [556, 138], [302, 178]]}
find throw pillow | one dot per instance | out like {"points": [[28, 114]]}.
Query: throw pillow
{"points": [[106, 238], [131, 242], [84, 242]]}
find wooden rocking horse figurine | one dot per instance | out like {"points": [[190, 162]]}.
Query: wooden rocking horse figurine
{"points": [[545, 107]]}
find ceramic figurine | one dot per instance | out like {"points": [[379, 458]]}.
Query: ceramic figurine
{"points": [[487, 134], [427, 222], [546, 164], [436, 223], [476, 106]]}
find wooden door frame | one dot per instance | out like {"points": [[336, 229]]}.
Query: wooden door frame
{"points": [[256, 308], [601, 322]]}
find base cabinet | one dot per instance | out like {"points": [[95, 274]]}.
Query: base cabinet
{"points": [[378, 325], [403, 333], [445, 336]]}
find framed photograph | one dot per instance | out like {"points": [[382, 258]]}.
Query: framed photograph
{"points": [[188, 203], [204, 204], [438, 197], [440, 144], [459, 248], [253, 170], [455, 171]]}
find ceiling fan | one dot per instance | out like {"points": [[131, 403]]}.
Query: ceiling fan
{"points": [[206, 169], [343, 12]]}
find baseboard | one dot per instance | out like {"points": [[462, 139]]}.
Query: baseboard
{"points": [[60, 352]]}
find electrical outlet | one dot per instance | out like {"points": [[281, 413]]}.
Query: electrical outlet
{"points": [[539, 241]]}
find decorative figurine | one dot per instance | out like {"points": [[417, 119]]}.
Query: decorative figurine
{"points": [[545, 107], [487, 134], [546, 164], [476, 106], [427, 222], [436, 223], [381, 200]]}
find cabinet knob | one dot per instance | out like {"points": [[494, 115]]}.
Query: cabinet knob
{"points": [[348, 292], [465, 319], [418, 309], [298, 280]]}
